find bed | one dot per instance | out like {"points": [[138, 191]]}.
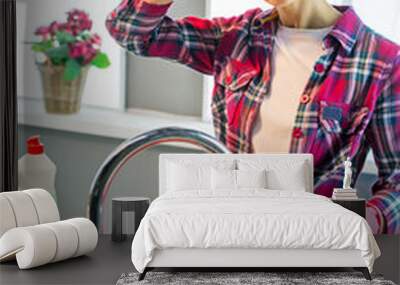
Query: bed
{"points": [[247, 211]]}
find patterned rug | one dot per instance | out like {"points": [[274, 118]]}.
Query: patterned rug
{"points": [[239, 278]]}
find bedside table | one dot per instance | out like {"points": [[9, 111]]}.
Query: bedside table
{"points": [[357, 206], [138, 205]]}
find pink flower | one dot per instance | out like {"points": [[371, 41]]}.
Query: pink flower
{"points": [[83, 51], [77, 50], [95, 40], [54, 28], [90, 54], [65, 27], [43, 32], [79, 21], [85, 45]]}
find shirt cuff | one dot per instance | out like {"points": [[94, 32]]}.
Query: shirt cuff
{"points": [[387, 206]]}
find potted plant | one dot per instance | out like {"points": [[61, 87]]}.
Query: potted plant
{"points": [[66, 52]]}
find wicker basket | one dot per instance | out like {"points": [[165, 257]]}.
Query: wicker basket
{"points": [[60, 96]]}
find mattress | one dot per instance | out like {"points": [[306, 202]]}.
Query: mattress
{"points": [[250, 219]]}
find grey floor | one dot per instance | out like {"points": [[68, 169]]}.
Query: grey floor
{"points": [[106, 264], [103, 266]]}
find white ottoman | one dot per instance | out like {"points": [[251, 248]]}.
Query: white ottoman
{"points": [[31, 232]]}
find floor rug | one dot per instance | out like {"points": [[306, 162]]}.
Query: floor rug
{"points": [[244, 278]]}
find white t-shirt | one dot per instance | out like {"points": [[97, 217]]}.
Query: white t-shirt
{"points": [[295, 54]]}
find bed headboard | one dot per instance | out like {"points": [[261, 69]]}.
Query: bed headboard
{"points": [[209, 159]]}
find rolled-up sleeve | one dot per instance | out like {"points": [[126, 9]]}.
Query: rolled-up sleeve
{"points": [[146, 30]]}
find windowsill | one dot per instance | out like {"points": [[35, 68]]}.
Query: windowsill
{"points": [[118, 124], [107, 122]]}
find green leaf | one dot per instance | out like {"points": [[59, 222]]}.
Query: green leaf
{"points": [[58, 55], [65, 38], [72, 70], [42, 46], [101, 60], [85, 35]]}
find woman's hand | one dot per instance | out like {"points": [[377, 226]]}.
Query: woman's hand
{"points": [[158, 2]]}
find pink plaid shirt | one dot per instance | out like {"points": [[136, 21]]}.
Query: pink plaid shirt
{"points": [[350, 105]]}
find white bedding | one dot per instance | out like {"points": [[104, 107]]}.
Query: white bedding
{"points": [[251, 218]]}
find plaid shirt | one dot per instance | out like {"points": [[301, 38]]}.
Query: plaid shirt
{"points": [[350, 105]]}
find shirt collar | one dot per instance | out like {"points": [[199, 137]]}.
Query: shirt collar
{"points": [[345, 31]]}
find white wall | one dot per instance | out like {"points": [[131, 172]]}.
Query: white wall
{"points": [[382, 16]]}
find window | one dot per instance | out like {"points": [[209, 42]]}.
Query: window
{"points": [[161, 85], [132, 96], [31, 14]]}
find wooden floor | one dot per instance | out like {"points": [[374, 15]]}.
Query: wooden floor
{"points": [[103, 266]]}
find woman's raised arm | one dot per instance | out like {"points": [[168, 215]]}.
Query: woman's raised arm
{"points": [[142, 27]]}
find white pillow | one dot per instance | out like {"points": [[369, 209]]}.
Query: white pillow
{"points": [[282, 174], [293, 180], [183, 175], [251, 178], [223, 179]]}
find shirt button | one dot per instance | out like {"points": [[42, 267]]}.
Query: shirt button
{"points": [[298, 133], [319, 68], [257, 24], [305, 99]]}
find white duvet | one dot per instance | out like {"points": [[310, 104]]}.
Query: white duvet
{"points": [[252, 218]]}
